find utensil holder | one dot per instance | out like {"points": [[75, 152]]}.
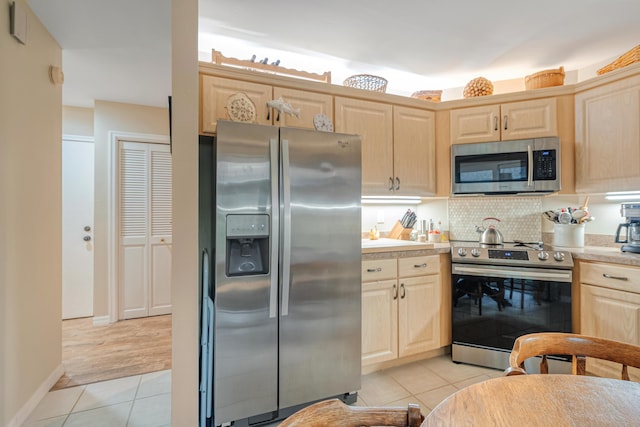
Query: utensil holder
{"points": [[399, 232], [568, 235]]}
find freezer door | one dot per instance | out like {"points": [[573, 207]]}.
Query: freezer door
{"points": [[321, 255], [245, 306]]}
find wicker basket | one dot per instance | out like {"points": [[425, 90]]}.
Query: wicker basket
{"points": [[628, 58], [367, 82], [428, 95], [546, 78]]}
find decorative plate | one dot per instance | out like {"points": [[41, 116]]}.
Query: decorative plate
{"points": [[323, 123], [240, 108]]}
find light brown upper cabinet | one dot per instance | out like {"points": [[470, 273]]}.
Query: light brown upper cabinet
{"points": [[215, 92], [309, 103], [607, 134], [373, 121], [414, 151], [398, 146], [513, 120]]}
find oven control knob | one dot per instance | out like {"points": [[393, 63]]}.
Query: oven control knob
{"points": [[558, 256], [462, 252], [543, 256], [475, 252]]}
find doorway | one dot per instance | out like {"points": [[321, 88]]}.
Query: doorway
{"points": [[77, 226], [144, 224]]}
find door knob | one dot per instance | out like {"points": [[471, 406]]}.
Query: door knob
{"points": [[86, 238], [87, 228]]}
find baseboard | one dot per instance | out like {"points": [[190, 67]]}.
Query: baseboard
{"points": [[404, 360], [101, 320], [37, 396]]}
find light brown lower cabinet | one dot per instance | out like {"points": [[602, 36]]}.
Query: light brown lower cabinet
{"points": [[401, 302], [610, 308]]}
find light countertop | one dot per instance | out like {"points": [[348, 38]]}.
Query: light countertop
{"points": [[395, 245]]}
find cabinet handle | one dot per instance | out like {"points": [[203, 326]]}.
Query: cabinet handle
{"points": [[374, 270], [404, 292], [395, 292], [505, 121], [423, 265], [397, 183], [390, 184], [268, 112], [608, 276], [495, 123]]}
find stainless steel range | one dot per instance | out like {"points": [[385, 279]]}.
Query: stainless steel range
{"points": [[500, 292]]}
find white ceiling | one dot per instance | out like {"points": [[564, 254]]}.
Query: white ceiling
{"points": [[119, 50]]}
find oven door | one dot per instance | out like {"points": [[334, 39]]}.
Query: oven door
{"points": [[493, 305]]}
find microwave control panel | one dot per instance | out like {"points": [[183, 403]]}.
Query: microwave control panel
{"points": [[544, 165]]}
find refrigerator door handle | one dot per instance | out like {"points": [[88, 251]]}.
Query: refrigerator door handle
{"points": [[286, 227], [275, 221]]}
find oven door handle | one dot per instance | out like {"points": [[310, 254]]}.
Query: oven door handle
{"points": [[550, 275]]}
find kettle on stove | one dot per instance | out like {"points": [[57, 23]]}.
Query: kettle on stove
{"points": [[490, 234]]}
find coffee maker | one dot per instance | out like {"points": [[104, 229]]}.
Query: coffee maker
{"points": [[631, 238]]}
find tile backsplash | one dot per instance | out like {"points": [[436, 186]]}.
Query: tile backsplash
{"points": [[520, 217]]}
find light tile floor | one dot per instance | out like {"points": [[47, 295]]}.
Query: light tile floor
{"points": [[145, 400], [137, 401]]}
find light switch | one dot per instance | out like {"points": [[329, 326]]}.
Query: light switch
{"points": [[380, 217], [18, 21]]}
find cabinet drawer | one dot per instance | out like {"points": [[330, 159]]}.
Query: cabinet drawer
{"points": [[418, 266], [379, 269], [612, 276]]}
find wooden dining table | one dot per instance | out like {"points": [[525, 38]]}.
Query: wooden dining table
{"points": [[541, 400]]}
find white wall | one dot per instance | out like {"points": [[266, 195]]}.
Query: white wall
{"points": [[30, 217], [184, 296], [77, 121]]}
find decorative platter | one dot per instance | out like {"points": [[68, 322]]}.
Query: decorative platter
{"points": [[240, 108], [323, 123]]}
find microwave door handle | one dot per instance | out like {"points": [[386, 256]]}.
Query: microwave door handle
{"points": [[530, 164]]}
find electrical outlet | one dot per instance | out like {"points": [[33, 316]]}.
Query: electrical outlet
{"points": [[380, 217]]}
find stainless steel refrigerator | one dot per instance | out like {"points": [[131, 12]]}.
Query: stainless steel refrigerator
{"points": [[280, 217]]}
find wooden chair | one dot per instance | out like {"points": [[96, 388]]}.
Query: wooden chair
{"points": [[334, 413], [578, 346]]}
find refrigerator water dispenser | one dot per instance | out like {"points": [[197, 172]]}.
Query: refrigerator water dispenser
{"points": [[247, 245]]}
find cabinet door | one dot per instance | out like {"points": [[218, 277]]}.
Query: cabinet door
{"points": [[608, 137], [529, 119], [379, 321], [475, 124], [215, 92], [612, 314], [419, 314], [373, 121], [414, 151], [309, 103]]}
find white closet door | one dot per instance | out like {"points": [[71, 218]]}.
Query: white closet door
{"points": [[144, 286], [160, 231]]}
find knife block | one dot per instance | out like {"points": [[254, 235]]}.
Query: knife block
{"points": [[399, 232]]}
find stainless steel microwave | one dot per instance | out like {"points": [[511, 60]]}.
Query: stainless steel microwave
{"points": [[507, 167]]}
